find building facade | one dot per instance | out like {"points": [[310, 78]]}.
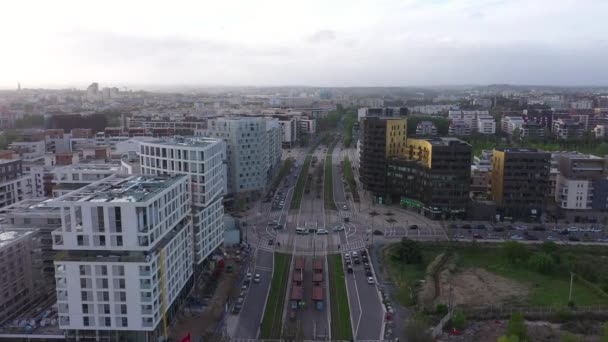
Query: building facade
{"points": [[380, 138], [519, 182], [202, 159], [14, 184], [126, 256], [434, 176]]}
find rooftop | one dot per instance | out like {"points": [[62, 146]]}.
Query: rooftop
{"points": [[121, 188], [31, 207], [8, 236], [517, 150], [116, 167], [182, 141]]}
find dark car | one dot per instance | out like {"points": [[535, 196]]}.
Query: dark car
{"points": [[531, 237], [270, 242], [346, 219], [480, 226], [466, 226], [477, 236], [539, 228], [413, 226], [368, 273], [499, 229], [573, 239], [349, 269], [364, 252], [564, 232], [378, 232]]}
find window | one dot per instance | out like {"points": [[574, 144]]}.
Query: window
{"points": [[108, 321], [118, 220], [119, 241], [123, 309], [100, 219], [80, 240], [124, 321], [85, 308], [121, 283], [104, 309], [85, 321], [118, 270], [102, 240]]}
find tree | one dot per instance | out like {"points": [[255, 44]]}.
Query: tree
{"points": [[549, 247], [517, 327], [459, 321], [410, 251], [604, 337], [511, 338], [541, 262], [515, 251], [417, 331]]}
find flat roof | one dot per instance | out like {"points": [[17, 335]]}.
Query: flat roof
{"points": [[181, 141], [121, 188], [297, 293], [317, 293], [299, 263], [517, 149], [30, 206], [8, 236], [317, 264], [89, 167]]}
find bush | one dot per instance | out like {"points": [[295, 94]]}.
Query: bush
{"points": [[515, 251], [441, 309], [567, 337], [541, 262], [409, 251], [517, 327], [458, 320], [512, 338], [604, 337]]}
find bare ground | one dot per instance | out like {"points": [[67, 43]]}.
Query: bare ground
{"points": [[470, 286]]}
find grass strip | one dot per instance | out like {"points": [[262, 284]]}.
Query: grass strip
{"points": [[272, 322], [341, 328]]}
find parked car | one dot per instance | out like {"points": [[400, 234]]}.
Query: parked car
{"points": [[338, 228], [539, 228], [459, 236], [480, 226], [477, 236], [498, 229], [516, 237], [322, 231], [573, 239], [466, 226], [378, 232], [413, 226]]}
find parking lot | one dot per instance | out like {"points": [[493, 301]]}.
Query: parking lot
{"points": [[529, 232]]}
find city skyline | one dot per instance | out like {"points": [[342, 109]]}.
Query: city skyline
{"points": [[388, 43]]}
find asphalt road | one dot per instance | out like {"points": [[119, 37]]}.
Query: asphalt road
{"points": [[250, 317]]}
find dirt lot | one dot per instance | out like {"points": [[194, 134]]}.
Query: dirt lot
{"points": [[476, 286], [470, 286]]}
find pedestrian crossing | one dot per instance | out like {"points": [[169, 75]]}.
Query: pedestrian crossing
{"points": [[353, 245]]}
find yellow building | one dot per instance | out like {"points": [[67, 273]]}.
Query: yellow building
{"points": [[396, 136]]}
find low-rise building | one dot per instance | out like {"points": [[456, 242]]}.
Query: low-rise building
{"points": [[426, 128], [511, 123], [568, 129]]}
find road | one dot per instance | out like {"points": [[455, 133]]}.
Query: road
{"points": [[249, 320]]}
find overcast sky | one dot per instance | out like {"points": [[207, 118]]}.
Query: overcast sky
{"points": [[307, 42]]}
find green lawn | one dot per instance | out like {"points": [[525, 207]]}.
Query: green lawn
{"points": [[350, 178], [545, 289], [328, 197], [272, 323], [340, 313], [299, 190]]}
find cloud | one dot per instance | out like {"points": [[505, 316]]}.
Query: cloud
{"points": [[321, 36]]}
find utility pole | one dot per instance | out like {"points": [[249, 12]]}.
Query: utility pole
{"points": [[571, 280]]}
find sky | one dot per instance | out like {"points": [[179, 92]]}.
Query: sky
{"points": [[314, 42]]}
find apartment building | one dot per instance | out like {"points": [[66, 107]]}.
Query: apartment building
{"points": [[16, 282], [519, 182], [568, 129], [477, 121], [380, 138], [433, 176], [426, 128], [125, 259], [581, 186], [510, 123], [253, 146], [15, 185], [201, 159]]}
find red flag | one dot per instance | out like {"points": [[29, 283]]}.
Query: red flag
{"points": [[187, 338]]}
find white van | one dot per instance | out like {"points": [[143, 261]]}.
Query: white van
{"points": [[301, 230]]}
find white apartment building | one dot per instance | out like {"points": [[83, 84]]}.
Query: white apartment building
{"points": [[289, 130], [253, 147], [29, 150], [479, 121], [307, 126], [125, 256], [202, 159], [510, 123], [459, 127], [486, 124]]}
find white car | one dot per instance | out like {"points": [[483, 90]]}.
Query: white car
{"points": [[516, 237], [248, 276], [573, 229], [370, 280], [346, 256], [256, 279], [338, 228], [322, 231], [355, 254], [521, 227], [552, 238], [344, 207]]}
